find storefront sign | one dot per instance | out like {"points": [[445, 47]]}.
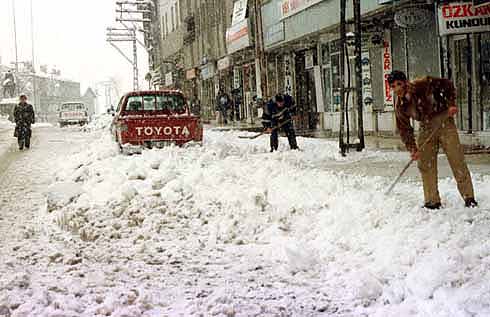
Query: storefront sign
{"points": [[169, 79], [274, 33], [207, 71], [224, 63], [237, 37], [463, 17], [387, 69], [367, 91], [191, 73], [239, 11], [237, 83], [291, 7], [412, 17], [288, 75]]}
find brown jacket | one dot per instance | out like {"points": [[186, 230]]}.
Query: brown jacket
{"points": [[426, 98]]}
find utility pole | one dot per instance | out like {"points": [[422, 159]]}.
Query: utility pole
{"points": [[342, 145], [34, 88], [260, 75], [15, 39], [344, 102], [115, 35], [358, 49], [125, 11]]}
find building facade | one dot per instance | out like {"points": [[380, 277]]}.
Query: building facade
{"points": [[302, 44], [253, 48], [208, 45], [46, 92]]}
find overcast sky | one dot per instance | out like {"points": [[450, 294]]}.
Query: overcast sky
{"points": [[69, 34]]}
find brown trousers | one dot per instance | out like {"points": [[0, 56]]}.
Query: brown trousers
{"points": [[448, 138]]}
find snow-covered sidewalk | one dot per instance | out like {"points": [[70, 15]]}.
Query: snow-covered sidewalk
{"points": [[229, 229]]}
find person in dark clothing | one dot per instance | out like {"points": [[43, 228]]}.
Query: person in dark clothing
{"points": [[223, 103], [237, 101], [278, 115], [24, 117]]}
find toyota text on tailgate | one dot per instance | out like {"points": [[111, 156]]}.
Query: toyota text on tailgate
{"points": [[155, 119]]}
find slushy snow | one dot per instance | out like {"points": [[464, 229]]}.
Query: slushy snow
{"points": [[228, 229]]}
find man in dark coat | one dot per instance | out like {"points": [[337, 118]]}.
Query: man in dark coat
{"points": [[427, 100], [223, 104], [277, 116], [24, 117]]}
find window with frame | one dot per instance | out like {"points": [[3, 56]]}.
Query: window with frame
{"points": [[173, 103], [149, 103], [134, 103]]}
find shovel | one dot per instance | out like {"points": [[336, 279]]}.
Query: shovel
{"points": [[440, 117], [264, 132]]}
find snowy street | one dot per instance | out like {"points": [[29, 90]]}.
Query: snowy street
{"points": [[228, 229]]}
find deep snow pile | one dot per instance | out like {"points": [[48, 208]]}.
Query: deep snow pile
{"points": [[99, 122], [42, 125], [315, 231]]}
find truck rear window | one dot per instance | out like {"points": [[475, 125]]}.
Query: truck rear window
{"points": [[170, 103]]}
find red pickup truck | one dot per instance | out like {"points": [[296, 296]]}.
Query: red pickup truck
{"points": [[154, 119]]}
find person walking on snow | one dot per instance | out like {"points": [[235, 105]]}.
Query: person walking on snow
{"points": [[223, 103], [278, 115], [24, 117], [426, 100]]}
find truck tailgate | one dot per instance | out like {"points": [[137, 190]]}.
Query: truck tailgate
{"points": [[180, 130]]}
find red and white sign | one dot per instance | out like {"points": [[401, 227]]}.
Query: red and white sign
{"points": [[387, 69], [463, 17], [237, 36], [291, 7], [73, 115]]}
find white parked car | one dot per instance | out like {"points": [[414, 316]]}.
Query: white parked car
{"points": [[73, 113]]}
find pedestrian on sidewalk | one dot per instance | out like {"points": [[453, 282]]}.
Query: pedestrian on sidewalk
{"points": [[278, 115], [24, 117], [237, 102], [223, 104], [426, 100]]}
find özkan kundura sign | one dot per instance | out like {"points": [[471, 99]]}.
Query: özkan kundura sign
{"points": [[463, 17], [291, 7]]}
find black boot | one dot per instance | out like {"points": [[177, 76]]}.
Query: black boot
{"points": [[432, 205], [470, 202]]}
